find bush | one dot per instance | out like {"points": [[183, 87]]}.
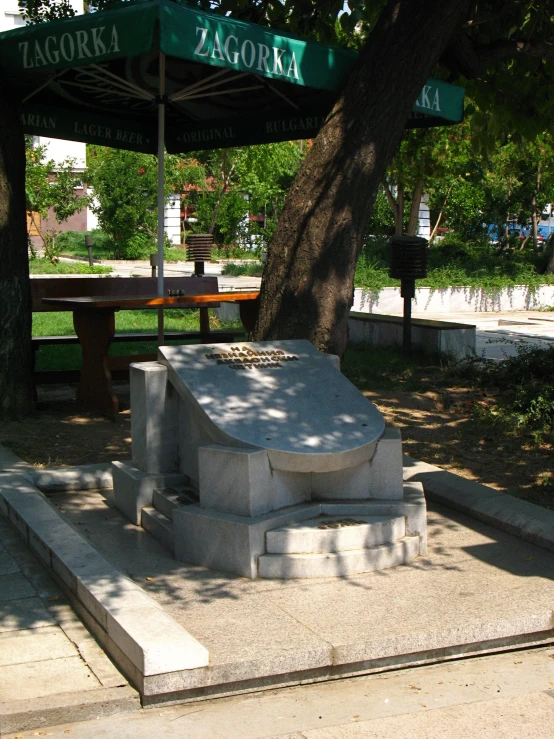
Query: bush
{"points": [[521, 392], [453, 262], [252, 269]]}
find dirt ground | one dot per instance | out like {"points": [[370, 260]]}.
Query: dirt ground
{"points": [[437, 427]]}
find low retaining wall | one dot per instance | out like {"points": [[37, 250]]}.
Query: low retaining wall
{"points": [[455, 299], [431, 337]]}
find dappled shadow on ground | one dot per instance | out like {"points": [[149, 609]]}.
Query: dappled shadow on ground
{"points": [[140, 557], [28, 597], [61, 433], [454, 541], [439, 427]]}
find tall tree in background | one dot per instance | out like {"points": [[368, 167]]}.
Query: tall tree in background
{"points": [[308, 281], [503, 46]]}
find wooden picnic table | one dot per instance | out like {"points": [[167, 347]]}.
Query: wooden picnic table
{"points": [[94, 322]]}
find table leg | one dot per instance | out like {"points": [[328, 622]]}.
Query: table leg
{"points": [[95, 329], [204, 321], [249, 313]]}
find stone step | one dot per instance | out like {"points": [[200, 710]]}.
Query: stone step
{"points": [[338, 564], [159, 526], [166, 500], [328, 534]]}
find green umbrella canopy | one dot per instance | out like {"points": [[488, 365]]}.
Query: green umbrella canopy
{"points": [[96, 78]]}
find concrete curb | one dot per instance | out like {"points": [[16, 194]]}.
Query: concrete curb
{"points": [[25, 715], [517, 517], [80, 477], [126, 618]]}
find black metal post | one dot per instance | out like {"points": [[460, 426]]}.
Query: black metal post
{"points": [[407, 291], [408, 263], [88, 244], [153, 263]]}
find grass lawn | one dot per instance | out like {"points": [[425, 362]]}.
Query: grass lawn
{"points": [[126, 321]]}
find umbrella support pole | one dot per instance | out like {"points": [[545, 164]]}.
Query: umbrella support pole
{"points": [[161, 195]]}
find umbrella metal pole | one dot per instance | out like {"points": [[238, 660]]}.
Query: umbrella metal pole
{"points": [[161, 196]]}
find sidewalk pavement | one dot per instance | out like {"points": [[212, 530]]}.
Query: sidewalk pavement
{"points": [[499, 334], [502, 696]]}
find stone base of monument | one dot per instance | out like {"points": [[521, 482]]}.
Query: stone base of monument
{"points": [[262, 460]]}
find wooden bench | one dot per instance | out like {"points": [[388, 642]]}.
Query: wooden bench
{"points": [[431, 337], [71, 287]]}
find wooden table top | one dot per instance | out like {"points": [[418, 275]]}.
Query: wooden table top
{"points": [[91, 301]]}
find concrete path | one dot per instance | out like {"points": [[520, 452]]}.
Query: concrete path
{"points": [[503, 696], [498, 335]]}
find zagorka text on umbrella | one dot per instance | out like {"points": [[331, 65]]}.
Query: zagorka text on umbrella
{"points": [[261, 57], [80, 44]]}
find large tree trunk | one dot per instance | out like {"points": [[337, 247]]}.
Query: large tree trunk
{"points": [[15, 293], [307, 286]]}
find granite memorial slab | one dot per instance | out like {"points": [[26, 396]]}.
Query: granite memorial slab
{"points": [[285, 397], [266, 434]]}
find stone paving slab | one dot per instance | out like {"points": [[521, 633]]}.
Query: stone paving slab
{"points": [[525, 717], [34, 645], [36, 679], [50, 666], [27, 613]]}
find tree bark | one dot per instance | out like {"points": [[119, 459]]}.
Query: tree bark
{"points": [[439, 217], [397, 207], [413, 223], [16, 389], [307, 287]]}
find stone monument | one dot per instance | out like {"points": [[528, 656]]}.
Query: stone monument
{"points": [[263, 460]]}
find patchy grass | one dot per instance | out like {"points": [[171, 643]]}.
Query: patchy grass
{"points": [[250, 269], [60, 323]]}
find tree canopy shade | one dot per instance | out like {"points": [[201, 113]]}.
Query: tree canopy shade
{"points": [[96, 78]]}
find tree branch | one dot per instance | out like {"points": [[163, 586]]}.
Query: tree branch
{"points": [[463, 57]]}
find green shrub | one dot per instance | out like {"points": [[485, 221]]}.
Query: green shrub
{"points": [[46, 267], [521, 391], [456, 263], [252, 269]]}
